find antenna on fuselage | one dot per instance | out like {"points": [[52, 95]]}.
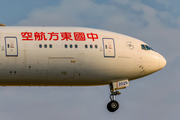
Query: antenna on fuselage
{"points": [[2, 24]]}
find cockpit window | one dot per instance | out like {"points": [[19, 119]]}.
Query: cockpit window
{"points": [[143, 47], [146, 47]]}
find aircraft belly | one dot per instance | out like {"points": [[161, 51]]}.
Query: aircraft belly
{"points": [[33, 67]]}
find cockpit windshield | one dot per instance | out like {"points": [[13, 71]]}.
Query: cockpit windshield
{"points": [[143, 47], [146, 47]]}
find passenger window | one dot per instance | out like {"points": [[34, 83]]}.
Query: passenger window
{"points": [[143, 47], [45, 46], [71, 46], [40, 46], [65, 46], [91, 46], [50, 46], [86, 46], [76, 46], [96, 46]]}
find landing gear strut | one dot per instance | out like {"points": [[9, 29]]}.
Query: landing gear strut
{"points": [[113, 105]]}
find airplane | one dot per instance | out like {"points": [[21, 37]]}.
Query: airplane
{"points": [[74, 56]]}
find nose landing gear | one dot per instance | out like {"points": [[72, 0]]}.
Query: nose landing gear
{"points": [[113, 105]]}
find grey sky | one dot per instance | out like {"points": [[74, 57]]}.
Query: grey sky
{"points": [[156, 22]]}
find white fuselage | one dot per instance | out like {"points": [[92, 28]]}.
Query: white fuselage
{"points": [[71, 56]]}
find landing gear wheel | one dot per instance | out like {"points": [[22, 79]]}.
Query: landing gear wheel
{"points": [[113, 106]]}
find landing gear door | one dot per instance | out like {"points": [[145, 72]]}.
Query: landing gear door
{"points": [[11, 46], [109, 47]]}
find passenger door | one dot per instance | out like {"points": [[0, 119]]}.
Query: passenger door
{"points": [[11, 46], [109, 47]]}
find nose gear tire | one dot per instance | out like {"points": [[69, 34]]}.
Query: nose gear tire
{"points": [[112, 106]]}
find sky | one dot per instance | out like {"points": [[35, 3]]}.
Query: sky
{"points": [[154, 97]]}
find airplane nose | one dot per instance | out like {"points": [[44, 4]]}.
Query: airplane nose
{"points": [[162, 62]]}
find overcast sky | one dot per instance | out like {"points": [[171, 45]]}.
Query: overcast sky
{"points": [[155, 97]]}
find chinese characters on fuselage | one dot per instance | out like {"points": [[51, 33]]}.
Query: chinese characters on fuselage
{"points": [[63, 36]]}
